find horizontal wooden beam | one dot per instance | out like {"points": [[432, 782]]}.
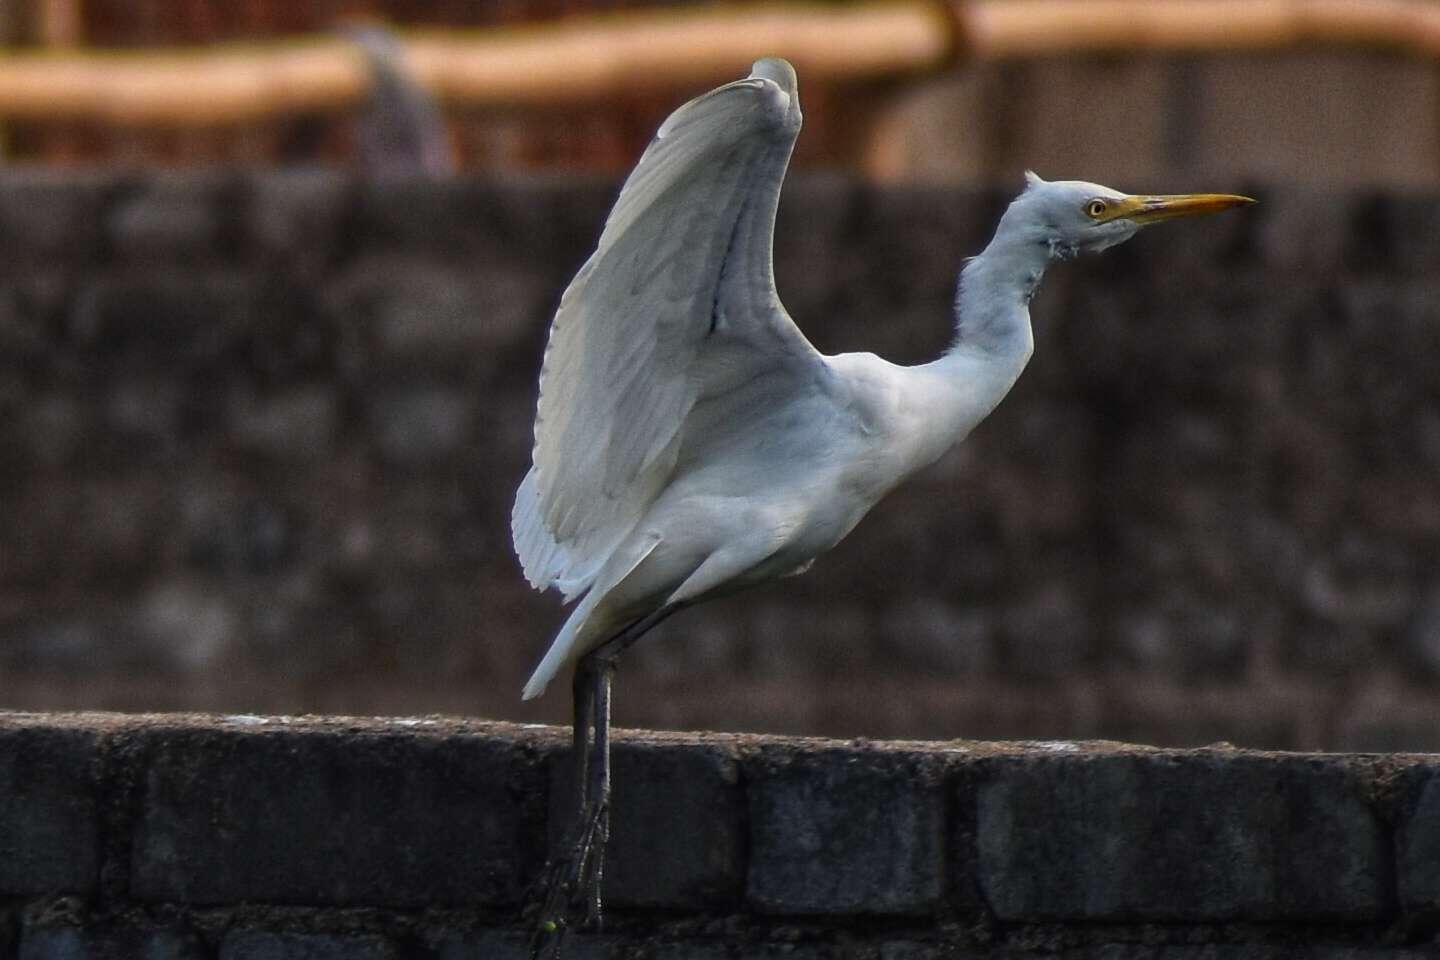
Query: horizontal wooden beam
{"points": [[596, 57], [996, 29]]}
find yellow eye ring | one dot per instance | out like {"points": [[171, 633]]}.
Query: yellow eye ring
{"points": [[1095, 209]]}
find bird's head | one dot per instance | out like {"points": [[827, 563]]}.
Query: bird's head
{"points": [[1071, 217]]}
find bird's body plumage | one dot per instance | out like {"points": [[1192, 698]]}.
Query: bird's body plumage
{"points": [[689, 441]]}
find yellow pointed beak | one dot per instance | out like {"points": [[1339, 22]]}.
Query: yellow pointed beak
{"points": [[1154, 209]]}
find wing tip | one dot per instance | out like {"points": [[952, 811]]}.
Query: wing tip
{"points": [[778, 71], [779, 76]]}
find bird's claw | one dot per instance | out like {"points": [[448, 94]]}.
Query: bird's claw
{"points": [[567, 879], [592, 860]]}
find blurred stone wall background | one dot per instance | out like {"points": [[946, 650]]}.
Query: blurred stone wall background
{"points": [[259, 434]]}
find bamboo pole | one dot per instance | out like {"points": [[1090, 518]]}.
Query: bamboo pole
{"points": [[577, 60], [592, 58], [182, 89], [999, 30]]}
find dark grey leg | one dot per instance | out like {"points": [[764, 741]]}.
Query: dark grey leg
{"points": [[579, 871], [582, 723], [564, 876], [597, 809]]}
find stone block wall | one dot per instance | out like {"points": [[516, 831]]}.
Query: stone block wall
{"points": [[259, 435], [284, 838]]}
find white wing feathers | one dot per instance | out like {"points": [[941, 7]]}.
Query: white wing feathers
{"points": [[545, 562], [682, 269]]}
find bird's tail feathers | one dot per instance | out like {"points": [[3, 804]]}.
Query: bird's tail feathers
{"points": [[559, 653], [568, 644]]}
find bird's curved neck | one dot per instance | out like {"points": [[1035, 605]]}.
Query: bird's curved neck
{"points": [[993, 341], [992, 301]]}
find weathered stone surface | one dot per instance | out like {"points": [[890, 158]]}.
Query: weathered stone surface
{"points": [[836, 832], [705, 951], [110, 943], [312, 838], [439, 217], [484, 945], [48, 217], [1183, 635], [1046, 633], [1404, 231], [514, 945], [384, 817], [421, 423], [165, 317], [677, 827], [939, 638], [437, 316], [301, 423], [172, 218], [700, 950], [264, 945], [1417, 856], [295, 217], [1259, 950], [49, 809], [1209, 836]]}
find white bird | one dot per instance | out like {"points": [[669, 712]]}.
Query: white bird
{"points": [[689, 441]]}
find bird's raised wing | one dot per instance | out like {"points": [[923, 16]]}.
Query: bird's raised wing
{"points": [[678, 302]]}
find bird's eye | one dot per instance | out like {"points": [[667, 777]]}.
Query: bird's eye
{"points": [[1095, 209]]}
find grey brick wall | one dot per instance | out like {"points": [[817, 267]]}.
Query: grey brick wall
{"points": [[259, 433], [284, 838]]}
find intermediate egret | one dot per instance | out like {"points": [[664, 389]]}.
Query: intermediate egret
{"points": [[689, 441]]}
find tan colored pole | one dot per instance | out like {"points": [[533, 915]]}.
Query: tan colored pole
{"points": [[999, 30], [598, 57], [586, 58], [182, 89]]}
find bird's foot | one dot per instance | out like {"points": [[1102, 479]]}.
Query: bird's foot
{"points": [[571, 884]]}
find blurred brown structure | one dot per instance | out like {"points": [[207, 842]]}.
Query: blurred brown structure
{"points": [[602, 137], [1311, 111]]}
